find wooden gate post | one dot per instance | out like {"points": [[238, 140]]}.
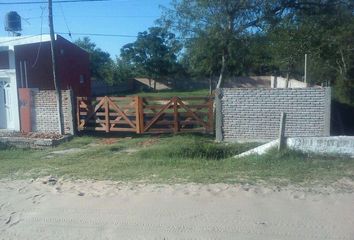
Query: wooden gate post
{"points": [[175, 115], [139, 114], [106, 114], [210, 116]]}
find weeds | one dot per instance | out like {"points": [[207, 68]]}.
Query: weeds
{"points": [[172, 158]]}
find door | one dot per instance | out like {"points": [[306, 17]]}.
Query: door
{"points": [[5, 104]]}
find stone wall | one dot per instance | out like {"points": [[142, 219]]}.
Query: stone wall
{"points": [[336, 145], [254, 114], [280, 82], [45, 114]]}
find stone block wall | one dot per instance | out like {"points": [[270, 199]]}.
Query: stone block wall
{"points": [[280, 82], [45, 114], [254, 114]]}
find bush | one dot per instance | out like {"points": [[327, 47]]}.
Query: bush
{"points": [[195, 148]]}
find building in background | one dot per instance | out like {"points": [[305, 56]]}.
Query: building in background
{"points": [[25, 63]]}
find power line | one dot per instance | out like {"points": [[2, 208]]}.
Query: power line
{"points": [[66, 23], [57, 1], [116, 16], [114, 35], [40, 44], [100, 34]]}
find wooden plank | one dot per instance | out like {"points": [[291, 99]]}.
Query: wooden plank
{"points": [[130, 98], [181, 123], [175, 115], [82, 104], [137, 117], [116, 107], [157, 116], [205, 105], [112, 114], [92, 113], [192, 113], [95, 121], [114, 129], [94, 128], [183, 98], [211, 117], [158, 130], [106, 114], [182, 115], [141, 114]]}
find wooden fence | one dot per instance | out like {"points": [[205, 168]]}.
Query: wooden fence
{"points": [[145, 114]]}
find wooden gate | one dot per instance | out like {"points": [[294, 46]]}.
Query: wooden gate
{"points": [[145, 114], [110, 114]]}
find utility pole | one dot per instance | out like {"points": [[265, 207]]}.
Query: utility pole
{"points": [[56, 81], [305, 71]]}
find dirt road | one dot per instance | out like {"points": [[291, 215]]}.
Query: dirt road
{"points": [[66, 210]]}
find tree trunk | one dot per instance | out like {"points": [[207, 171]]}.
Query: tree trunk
{"points": [[221, 76], [154, 85], [287, 80]]}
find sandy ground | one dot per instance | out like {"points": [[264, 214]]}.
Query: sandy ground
{"points": [[65, 210]]}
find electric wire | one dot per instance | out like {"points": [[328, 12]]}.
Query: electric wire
{"points": [[57, 1], [40, 43], [65, 21]]}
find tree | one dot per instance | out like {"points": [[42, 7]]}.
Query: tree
{"points": [[153, 54], [122, 71], [324, 30], [101, 65], [219, 21]]}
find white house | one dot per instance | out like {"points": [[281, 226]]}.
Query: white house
{"points": [[9, 110]]}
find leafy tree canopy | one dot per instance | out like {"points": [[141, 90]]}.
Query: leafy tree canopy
{"points": [[153, 54], [101, 65]]}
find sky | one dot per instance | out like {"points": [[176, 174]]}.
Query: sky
{"points": [[117, 17]]}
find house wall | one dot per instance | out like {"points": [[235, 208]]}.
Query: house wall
{"points": [[4, 60], [44, 115], [254, 114], [34, 66], [73, 65]]}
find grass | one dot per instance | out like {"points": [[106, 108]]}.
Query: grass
{"points": [[171, 159]]}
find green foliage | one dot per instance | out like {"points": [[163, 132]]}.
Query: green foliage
{"points": [[214, 31], [101, 65], [153, 54], [253, 37], [268, 37], [194, 147], [122, 71]]}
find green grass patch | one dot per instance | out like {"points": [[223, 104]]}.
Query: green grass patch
{"points": [[171, 159], [193, 147]]}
